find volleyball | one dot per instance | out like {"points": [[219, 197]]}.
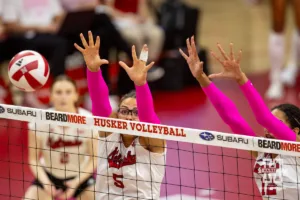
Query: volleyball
{"points": [[28, 70]]}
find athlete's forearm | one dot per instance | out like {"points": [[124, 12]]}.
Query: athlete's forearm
{"points": [[227, 110], [145, 104], [99, 94], [263, 115]]}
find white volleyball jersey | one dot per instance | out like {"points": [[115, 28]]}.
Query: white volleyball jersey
{"points": [[128, 173], [278, 178], [64, 149]]}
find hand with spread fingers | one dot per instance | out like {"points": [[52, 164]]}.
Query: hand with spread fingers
{"points": [[231, 65], [194, 63], [138, 72], [90, 52]]}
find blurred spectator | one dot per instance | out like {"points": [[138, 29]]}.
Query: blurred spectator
{"points": [[36, 23], [33, 24], [2, 31], [133, 19], [5, 93], [77, 5], [110, 39], [277, 49]]}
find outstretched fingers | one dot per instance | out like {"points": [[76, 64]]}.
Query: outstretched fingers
{"points": [[216, 57], [124, 66], [84, 43], [183, 55], [149, 66], [238, 60], [188, 45], [222, 52], [97, 44], [78, 48], [231, 52], [144, 54], [134, 56], [91, 39], [104, 61], [194, 49]]}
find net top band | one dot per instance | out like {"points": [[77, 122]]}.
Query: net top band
{"points": [[180, 134]]}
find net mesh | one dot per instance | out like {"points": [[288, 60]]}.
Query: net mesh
{"points": [[195, 164]]}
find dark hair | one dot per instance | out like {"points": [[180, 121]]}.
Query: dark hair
{"points": [[292, 113], [64, 78], [131, 94]]}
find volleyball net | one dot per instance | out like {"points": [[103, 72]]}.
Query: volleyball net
{"points": [[195, 164]]}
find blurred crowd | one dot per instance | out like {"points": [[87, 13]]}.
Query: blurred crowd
{"points": [[51, 27]]}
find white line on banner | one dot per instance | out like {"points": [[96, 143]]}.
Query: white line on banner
{"points": [[205, 137]]}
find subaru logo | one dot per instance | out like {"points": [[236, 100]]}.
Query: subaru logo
{"points": [[207, 136], [2, 110]]}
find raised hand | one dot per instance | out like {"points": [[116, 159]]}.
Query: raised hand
{"points": [[138, 72], [90, 52], [231, 66], [195, 65]]}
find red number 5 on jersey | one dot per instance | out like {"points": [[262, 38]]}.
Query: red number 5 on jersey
{"points": [[118, 183]]}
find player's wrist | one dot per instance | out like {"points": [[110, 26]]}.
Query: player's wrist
{"points": [[242, 79], [140, 83], [203, 80], [93, 69]]}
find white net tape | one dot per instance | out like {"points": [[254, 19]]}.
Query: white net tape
{"points": [[195, 136]]}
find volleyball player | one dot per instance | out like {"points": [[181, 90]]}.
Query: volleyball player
{"points": [[282, 123], [62, 156], [129, 167]]}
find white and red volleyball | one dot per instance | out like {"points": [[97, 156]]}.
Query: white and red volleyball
{"points": [[28, 70]]}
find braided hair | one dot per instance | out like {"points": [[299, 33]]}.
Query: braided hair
{"points": [[292, 113]]}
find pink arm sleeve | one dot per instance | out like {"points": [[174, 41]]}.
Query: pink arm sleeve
{"points": [[145, 104], [99, 94], [227, 111], [263, 115]]}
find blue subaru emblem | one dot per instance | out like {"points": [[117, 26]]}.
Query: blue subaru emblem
{"points": [[2, 110], [207, 136]]}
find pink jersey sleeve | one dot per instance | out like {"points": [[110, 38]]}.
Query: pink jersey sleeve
{"points": [[227, 111], [263, 115], [145, 104], [99, 94]]}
